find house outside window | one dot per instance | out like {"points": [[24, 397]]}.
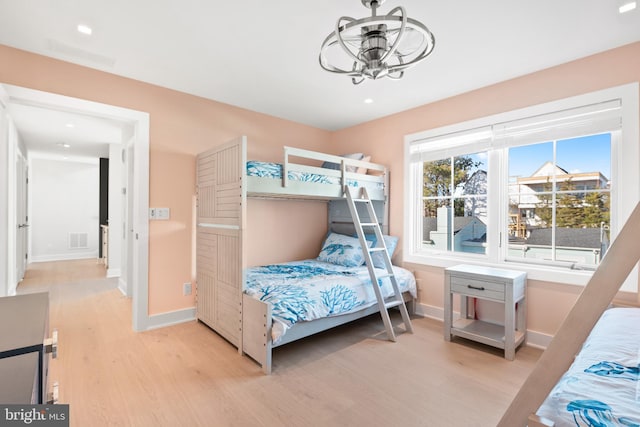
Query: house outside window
{"points": [[566, 208], [544, 189]]}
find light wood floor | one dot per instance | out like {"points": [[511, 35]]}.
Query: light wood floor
{"points": [[186, 375]]}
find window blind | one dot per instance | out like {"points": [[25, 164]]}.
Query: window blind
{"points": [[581, 121]]}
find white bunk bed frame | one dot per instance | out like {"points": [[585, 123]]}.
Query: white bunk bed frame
{"points": [[223, 187], [615, 267]]}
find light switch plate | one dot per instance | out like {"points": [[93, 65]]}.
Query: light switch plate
{"points": [[162, 213]]}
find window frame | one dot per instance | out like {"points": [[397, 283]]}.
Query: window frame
{"points": [[625, 167]]}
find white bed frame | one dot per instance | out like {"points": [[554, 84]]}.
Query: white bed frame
{"points": [[257, 323], [223, 186]]}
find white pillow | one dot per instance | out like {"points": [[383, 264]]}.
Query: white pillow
{"points": [[354, 156], [364, 170]]}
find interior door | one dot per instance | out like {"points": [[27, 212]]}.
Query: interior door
{"points": [[22, 215], [127, 215]]}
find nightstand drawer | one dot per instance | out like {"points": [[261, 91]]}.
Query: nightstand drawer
{"points": [[478, 288]]}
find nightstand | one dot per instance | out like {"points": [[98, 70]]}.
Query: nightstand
{"points": [[492, 284]]}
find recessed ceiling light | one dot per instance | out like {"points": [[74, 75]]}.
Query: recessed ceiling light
{"points": [[368, 101], [63, 145], [70, 125], [85, 29], [627, 7]]}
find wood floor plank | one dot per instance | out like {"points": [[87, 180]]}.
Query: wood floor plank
{"points": [[187, 375]]}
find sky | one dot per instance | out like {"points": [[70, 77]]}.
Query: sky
{"points": [[584, 154], [575, 155]]}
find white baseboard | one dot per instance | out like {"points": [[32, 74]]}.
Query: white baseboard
{"points": [[534, 339], [171, 318], [113, 272], [122, 286], [63, 257], [538, 340], [430, 311]]}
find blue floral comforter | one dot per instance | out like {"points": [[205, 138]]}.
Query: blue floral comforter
{"points": [[274, 170], [602, 387], [307, 290]]}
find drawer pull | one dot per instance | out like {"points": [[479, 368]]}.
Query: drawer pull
{"points": [[477, 288]]}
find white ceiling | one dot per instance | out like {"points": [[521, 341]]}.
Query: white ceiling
{"points": [[263, 55], [64, 134]]}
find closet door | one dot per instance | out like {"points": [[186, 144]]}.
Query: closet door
{"points": [[219, 239]]}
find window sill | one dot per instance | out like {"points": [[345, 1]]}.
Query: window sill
{"points": [[534, 272]]}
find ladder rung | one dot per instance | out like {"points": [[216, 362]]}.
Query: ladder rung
{"points": [[392, 304], [361, 200], [376, 249], [369, 224]]}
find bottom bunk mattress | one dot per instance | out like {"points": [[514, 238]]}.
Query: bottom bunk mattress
{"points": [[310, 289], [601, 388]]}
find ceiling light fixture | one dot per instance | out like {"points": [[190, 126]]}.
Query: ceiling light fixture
{"points": [[376, 46], [85, 29], [627, 7], [368, 101]]}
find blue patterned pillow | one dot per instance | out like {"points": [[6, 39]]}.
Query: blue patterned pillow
{"points": [[390, 242], [342, 250]]}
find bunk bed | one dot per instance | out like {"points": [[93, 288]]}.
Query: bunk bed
{"points": [[231, 299], [588, 375]]}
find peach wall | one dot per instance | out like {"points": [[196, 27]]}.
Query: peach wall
{"points": [[182, 125], [384, 139], [290, 231]]}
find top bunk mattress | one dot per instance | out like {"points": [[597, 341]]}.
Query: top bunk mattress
{"points": [[266, 179], [601, 387], [274, 170]]}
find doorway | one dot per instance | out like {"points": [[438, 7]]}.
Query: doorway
{"points": [[136, 188]]}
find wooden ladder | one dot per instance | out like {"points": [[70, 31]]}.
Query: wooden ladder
{"points": [[396, 300]]}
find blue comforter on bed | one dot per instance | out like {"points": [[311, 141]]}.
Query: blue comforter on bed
{"points": [[310, 289], [601, 389]]}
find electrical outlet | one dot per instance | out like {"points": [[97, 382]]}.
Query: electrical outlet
{"points": [[186, 289]]}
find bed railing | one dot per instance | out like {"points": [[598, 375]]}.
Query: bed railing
{"points": [[287, 164], [615, 267]]}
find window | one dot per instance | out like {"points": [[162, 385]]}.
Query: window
{"points": [[559, 201], [455, 203], [544, 188]]}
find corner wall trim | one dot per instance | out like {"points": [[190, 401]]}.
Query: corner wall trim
{"points": [[122, 286]]}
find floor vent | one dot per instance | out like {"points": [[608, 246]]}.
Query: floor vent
{"points": [[78, 240]]}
